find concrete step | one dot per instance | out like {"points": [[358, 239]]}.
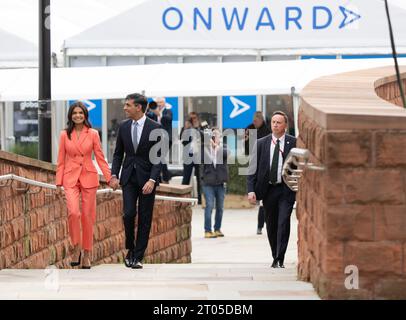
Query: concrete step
{"points": [[164, 282]]}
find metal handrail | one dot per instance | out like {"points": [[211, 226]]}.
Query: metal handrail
{"points": [[294, 166], [30, 182]]}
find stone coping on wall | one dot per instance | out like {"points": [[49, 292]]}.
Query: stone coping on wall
{"points": [[349, 101], [38, 164], [34, 163]]}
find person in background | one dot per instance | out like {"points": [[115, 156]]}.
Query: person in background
{"points": [[192, 139], [263, 130], [163, 115], [78, 176], [214, 177]]}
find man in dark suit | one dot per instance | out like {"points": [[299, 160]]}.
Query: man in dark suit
{"points": [[163, 115], [260, 125], [139, 175], [265, 183]]}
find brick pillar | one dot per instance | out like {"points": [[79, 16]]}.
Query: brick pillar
{"points": [[353, 213]]}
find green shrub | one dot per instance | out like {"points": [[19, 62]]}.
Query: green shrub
{"points": [[237, 184], [26, 149]]}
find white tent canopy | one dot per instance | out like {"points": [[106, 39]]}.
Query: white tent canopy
{"points": [[16, 52], [68, 17], [271, 27], [208, 79]]}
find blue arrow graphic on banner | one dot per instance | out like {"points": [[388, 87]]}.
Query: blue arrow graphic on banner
{"points": [[239, 107], [349, 17]]}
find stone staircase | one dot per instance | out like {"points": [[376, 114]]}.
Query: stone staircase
{"points": [[231, 268], [164, 282]]}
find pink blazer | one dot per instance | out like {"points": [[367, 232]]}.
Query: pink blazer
{"points": [[75, 160]]}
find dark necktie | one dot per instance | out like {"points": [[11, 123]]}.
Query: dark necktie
{"points": [[275, 163]]}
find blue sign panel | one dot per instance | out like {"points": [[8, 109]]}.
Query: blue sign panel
{"points": [[172, 103], [95, 112], [238, 111]]}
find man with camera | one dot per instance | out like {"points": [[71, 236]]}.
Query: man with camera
{"points": [[214, 177]]}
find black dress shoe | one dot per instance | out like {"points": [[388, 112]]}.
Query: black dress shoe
{"points": [[129, 259], [280, 264], [74, 263], [137, 265], [275, 264]]}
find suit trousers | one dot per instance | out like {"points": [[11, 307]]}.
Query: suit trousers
{"points": [[187, 175], [87, 215], [278, 210], [261, 217], [132, 193], [166, 175]]}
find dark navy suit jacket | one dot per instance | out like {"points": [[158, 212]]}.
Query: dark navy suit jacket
{"points": [[125, 156], [258, 181]]}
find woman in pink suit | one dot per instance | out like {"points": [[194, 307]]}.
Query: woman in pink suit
{"points": [[78, 176]]}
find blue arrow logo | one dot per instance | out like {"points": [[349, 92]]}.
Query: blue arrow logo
{"points": [[239, 107], [349, 17]]}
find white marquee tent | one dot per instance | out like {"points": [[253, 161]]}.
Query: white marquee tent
{"points": [[16, 52], [68, 17], [279, 27], [209, 79]]}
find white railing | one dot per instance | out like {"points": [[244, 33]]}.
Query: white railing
{"points": [[29, 182], [295, 164]]}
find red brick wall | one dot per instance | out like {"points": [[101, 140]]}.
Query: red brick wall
{"points": [[34, 228], [354, 212], [389, 91]]}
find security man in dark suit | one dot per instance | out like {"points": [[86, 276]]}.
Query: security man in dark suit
{"points": [[160, 112], [260, 125], [139, 175], [265, 183]]}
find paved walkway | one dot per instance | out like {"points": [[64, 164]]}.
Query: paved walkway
{"points": [[234, 267]]}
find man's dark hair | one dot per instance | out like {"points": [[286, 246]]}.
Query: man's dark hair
{"points": [[138, 99], [259, 115], [281, 113]]}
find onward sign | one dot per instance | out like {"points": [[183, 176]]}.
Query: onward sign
{"points": [[318, 17]]}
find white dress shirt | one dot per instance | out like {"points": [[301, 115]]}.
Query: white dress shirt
{"points": [[280, 163]]}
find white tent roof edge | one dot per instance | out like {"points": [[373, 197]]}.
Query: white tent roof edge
{"points": [[178, 80]]}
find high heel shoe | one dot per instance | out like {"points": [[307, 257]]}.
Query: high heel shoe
{"points": [[86, 267], [75, 264]]}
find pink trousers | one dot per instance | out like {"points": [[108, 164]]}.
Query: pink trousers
{"points": [[87, 215]]}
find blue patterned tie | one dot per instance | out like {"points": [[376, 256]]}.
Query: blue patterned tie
{"points": [[135, 137]]}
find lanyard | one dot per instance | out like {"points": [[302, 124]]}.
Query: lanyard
{"points": [[274, 143]]}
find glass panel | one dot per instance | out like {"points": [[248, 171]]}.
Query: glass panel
{"points": [[206, 108], [26, 128], [200, 59], [279, 58], [123, 61], [280, 103], [79, 62], [239, 58], [160, 59], [115, 114]]}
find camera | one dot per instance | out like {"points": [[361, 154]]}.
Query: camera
{"points": [[152, 105], [204, 125], [206, 129]]}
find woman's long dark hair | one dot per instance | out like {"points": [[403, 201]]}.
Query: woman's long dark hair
{"points": [[71, 124]]}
